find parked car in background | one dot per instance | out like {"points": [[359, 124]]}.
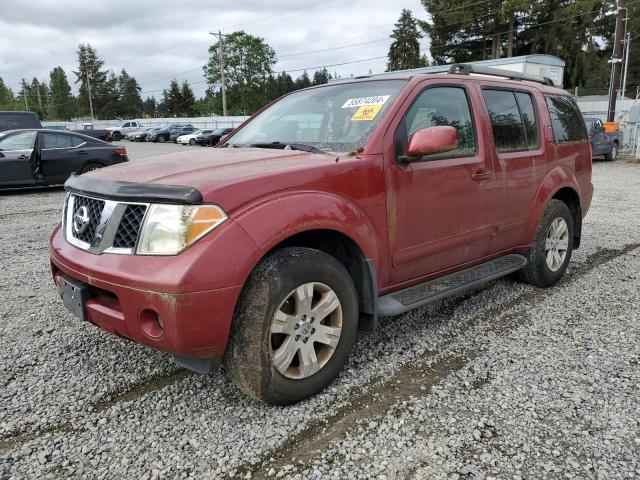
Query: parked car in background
{"points": [[89, 130], [190, 138], [38, 157], [158, 135], [16, 120], [56, 127], [119, 132], [174, 133], [142, 136], [602, 142], [272, 253], [212, 138]]}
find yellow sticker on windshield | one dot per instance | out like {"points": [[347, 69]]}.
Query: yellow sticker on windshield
{"points": [[366, 113]]}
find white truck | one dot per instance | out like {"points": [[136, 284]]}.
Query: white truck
{"points": [[130, 126]]}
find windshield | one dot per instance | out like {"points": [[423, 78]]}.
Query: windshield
{"points": [[337, 118]]}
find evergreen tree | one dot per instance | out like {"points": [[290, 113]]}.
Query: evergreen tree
{"points": [[303, 81], [320, 77], [89, 64], [129, 100], [187, 99], [171, 99], [7, 99], [285, 84], [404, 52], [149, 107], [62, 101]]}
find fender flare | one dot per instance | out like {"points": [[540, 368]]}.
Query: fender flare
{"points": [[555, 180]]}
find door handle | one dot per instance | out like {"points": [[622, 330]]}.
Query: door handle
{"points": [[22, 157], [481, 173], [82, 152]]}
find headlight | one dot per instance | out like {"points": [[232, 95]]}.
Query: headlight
{"points": [[169, 229]]}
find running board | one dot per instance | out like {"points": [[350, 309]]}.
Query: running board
{"points": [[438, 288]]}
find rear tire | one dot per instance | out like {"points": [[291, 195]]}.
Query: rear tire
{"points": [[279, 354], [550, 252]]}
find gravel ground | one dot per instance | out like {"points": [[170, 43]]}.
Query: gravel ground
{"points": [[505, 381]]}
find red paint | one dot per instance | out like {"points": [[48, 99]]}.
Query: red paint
{"points": [[414, 221], [432, 140]]}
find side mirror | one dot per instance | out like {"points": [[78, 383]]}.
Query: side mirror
{"points": [[432, 140]]}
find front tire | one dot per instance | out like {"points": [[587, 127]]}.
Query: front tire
{"points": [[192, 141], [161, 139], [294, 326], [117, 136], [550, 252]]}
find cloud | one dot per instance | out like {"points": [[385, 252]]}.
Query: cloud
{"points": [[156, 41]]}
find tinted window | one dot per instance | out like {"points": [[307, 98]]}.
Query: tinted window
{"points": [[566, 120], [14, 121], [439, 106], [56, 140], [529, 120], [508, 131], [77, 141], [19, 141]]}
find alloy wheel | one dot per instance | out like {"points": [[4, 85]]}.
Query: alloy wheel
{"points": [[557, 244], [305, 330]]}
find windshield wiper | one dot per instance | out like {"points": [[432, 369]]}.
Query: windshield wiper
{"points": [[303, 147]]}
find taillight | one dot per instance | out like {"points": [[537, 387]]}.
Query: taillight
{"points": [[121, 151]]}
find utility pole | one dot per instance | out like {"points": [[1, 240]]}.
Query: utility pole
{"points": [[24, 94], [223, 87], [627, 44], [616, 60], [89, 92]]}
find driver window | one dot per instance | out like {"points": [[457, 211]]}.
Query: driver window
{"points": [[439, 106], [19, 141]]}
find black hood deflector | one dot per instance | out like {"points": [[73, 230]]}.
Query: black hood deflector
{"points": [[135, 192]]}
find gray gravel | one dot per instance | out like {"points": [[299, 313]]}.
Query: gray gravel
{"points": [[505, 381]]}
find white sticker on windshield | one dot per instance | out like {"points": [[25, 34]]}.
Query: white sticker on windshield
{"points": [[358, 102]]}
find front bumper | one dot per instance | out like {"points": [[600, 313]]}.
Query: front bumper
{"points": [[167, 303]]}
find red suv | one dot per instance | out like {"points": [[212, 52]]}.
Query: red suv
{"points": [[330, 207]]}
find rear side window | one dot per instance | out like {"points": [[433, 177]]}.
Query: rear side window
{"points": [[566, 120], [439, 106], [529, 120], [513, 120], [506, 123], [56, 140]]}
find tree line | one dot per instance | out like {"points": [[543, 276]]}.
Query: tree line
{"points": [[577, 31]]}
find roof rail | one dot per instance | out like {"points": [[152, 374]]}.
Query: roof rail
{"points": [[467, 69]]}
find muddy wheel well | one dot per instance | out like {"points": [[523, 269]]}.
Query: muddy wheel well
{"points": [[349, 254], [570, 197]]}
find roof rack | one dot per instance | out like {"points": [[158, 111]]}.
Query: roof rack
{"points": [[467, 69]]}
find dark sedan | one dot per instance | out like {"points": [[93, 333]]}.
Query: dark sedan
{"points": [[160, 135], [142, 136], [38, 157], [212, 139]]}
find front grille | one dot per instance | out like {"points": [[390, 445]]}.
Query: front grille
{"points": [[94, 209], [129, 228]]}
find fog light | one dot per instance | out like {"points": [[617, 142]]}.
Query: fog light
{"points": [[150, 323]]}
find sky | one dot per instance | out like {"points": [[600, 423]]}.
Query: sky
{"points": [[159, 40]]}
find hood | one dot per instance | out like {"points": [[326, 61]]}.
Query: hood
{"points": [[228, 176]]}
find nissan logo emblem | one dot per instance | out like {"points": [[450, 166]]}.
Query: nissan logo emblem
{"points": [[80, 220]]}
